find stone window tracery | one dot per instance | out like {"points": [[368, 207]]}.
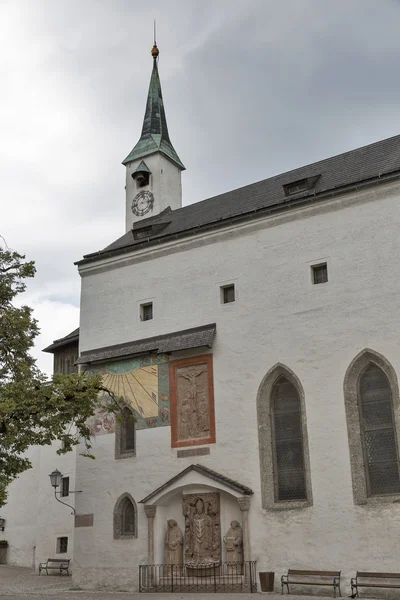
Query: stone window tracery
{"points": [[283, 441], [289, 474], [372, 404], [125, 518]]}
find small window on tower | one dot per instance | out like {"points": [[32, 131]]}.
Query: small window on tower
{"points": [[146, 311]]}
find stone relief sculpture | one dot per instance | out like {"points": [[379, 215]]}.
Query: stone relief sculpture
{"points": [[173, 543], [202, 529], [233, 541], [193, 402]]}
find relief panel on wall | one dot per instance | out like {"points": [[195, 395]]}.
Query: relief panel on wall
{"points": [[202, 529], [144, 384], [192, 401]]}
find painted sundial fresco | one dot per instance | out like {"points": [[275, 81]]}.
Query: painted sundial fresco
{"points": [[144, 384]]}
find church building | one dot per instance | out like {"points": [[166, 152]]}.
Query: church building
{"points": [[253, 338]]}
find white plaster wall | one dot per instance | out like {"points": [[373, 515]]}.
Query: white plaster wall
{"points": [[34, 519], [165, 184], [20, 513], [278, 317]]}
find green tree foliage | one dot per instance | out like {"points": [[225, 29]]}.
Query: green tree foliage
{"points": [[33, 409]]}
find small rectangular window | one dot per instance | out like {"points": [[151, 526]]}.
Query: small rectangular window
{"points": [[65, 486], [296, 187], [228, 294], [146, 311], [62, 545], [142, 234], [319, 273]]}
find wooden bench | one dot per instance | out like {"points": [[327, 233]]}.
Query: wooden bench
{"points": [[301, 577], [374, 580], [58, 564]]}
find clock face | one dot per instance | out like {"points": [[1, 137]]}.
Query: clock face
{"points": [[142, 203]]}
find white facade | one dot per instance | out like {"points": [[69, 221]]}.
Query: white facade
{"points": [[278, 317], [34, 519]]}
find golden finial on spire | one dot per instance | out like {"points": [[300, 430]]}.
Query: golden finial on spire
{"points": [[155, 51]]}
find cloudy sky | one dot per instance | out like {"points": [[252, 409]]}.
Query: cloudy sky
{"points": [[251, 88]]}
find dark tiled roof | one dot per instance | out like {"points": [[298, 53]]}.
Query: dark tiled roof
{"points": [[68, 339], [331, 175], [234, 485], [198, 337]]}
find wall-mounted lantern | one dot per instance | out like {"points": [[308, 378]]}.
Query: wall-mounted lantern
{"points": [[55, 480]]}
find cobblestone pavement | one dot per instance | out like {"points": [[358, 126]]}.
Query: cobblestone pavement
{"points": [[18, 583]]}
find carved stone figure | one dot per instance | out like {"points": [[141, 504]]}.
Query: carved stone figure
{"points": [[202, 529], [193, 402], [233, 541], [203, 418], [173, 543]]}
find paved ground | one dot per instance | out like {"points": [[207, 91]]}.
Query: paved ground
{"points": [[21, 584]]}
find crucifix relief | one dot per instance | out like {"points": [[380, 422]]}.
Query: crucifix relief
{"points": [[192, 403], [193, 413]]}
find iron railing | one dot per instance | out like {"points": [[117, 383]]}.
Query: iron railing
{"points": [[206, 578]]}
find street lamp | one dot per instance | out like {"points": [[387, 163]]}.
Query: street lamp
{"points": [[55, 480]]}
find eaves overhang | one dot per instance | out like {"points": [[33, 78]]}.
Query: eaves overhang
{"points": [[261, 212], [186, 339]]}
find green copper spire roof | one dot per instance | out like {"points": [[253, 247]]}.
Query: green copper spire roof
{"points": [[154, 137]]}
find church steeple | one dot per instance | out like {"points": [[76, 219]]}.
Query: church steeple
{"points": [[155, 136], [152, 165]]}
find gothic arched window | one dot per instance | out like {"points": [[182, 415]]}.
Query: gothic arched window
{"points": [[283, 442], [378, 432], [372, 402], [125, 437], [125, 517], [289, 472]]}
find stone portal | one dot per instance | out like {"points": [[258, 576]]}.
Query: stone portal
{"points": [[202, 529]]}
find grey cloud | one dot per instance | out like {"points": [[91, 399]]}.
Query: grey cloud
{"points": [[251, 88]]}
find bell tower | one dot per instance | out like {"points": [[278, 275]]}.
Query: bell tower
{"points": [[153, 168]]}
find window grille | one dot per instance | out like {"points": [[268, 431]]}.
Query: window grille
{"points": [[228, 293], [65, 486], [128, 518], [296, 187], [146, 311], [320, 273], [127, 431], [378, 433], [289, 470], [62, 545]]}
